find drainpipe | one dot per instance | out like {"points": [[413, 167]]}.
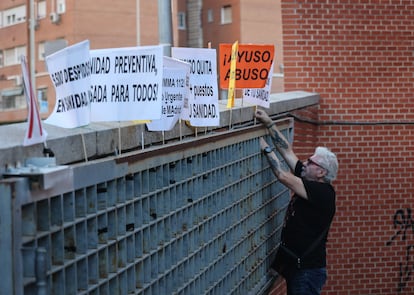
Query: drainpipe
{"points": [[165, 25]]}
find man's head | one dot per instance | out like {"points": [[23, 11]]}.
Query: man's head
{"points": [[322, 165]]}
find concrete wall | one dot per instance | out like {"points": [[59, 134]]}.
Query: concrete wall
{"points": [[99, 140]]}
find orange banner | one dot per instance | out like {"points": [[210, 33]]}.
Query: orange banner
{"points": [[253, 65]]}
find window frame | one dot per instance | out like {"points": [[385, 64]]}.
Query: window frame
{"points": [[226, 14], [181, 20]]}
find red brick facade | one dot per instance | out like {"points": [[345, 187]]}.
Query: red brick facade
{"points": [[359, 56]]}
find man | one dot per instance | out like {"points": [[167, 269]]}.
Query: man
{"points": [[311, 208]]}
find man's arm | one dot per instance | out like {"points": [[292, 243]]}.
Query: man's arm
{"points": [[283, 146], [291, 181]]}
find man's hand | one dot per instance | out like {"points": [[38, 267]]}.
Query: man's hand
{"points": [[263, 117], [279, 141]]}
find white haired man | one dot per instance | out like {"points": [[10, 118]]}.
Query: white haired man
{"points": [[310, 211]]}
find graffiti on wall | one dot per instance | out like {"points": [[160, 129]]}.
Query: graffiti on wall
{"points": [[403, 223]]}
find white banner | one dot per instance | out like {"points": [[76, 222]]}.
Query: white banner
{"points": [[175, 88], [203, 98], [126, 83], [70, 72], [260, 96]]}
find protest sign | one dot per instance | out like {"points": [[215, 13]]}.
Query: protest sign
{"points": [[175, 88], [126, 83], [259, 96], [70, 72], [203, 107], [35, 132], [253, 65]]}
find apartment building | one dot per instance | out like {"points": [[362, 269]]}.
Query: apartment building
{"points": [[107, 24]]}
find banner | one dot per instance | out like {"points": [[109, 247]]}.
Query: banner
{"points": [[126, 83], [253, 65], [175, 88], [203, 109], [259, 96], [70, 72], [35, 132]]}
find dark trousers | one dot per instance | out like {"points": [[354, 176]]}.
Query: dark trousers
{"points": [[307, 282]]}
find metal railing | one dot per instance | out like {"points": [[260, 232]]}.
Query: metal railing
{"points": [[201, 216]]}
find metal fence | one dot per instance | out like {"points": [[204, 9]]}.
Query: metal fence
{"points": [[201, 216]]}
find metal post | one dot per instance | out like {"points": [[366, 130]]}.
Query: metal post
{"points": [[32, 24], [165, 25]]}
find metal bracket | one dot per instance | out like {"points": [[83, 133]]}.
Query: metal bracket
{"points": [[42, 171]]}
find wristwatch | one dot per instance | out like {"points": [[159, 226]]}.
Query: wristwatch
{"points": [[267, 150]]}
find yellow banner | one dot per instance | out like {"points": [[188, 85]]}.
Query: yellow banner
{"points": [[232, 80]]}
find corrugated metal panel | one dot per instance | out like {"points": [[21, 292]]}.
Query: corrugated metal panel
{"points": [[201, 217]]}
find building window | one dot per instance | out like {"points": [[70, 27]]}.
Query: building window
{"points": [[8, 102], [226, 14], [210, 16], [181, 21], [41, 51], [41, 9], [1, 58], [11, 19], [14, 15], [12, 55], [9, 57], [42, 98], [21, 50], [12, 99], [60, 6]]}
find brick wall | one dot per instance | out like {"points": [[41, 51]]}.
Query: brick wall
{"points": [[359, 55]]}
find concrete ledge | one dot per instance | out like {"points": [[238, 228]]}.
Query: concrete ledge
{"points": [[101, 139]]}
